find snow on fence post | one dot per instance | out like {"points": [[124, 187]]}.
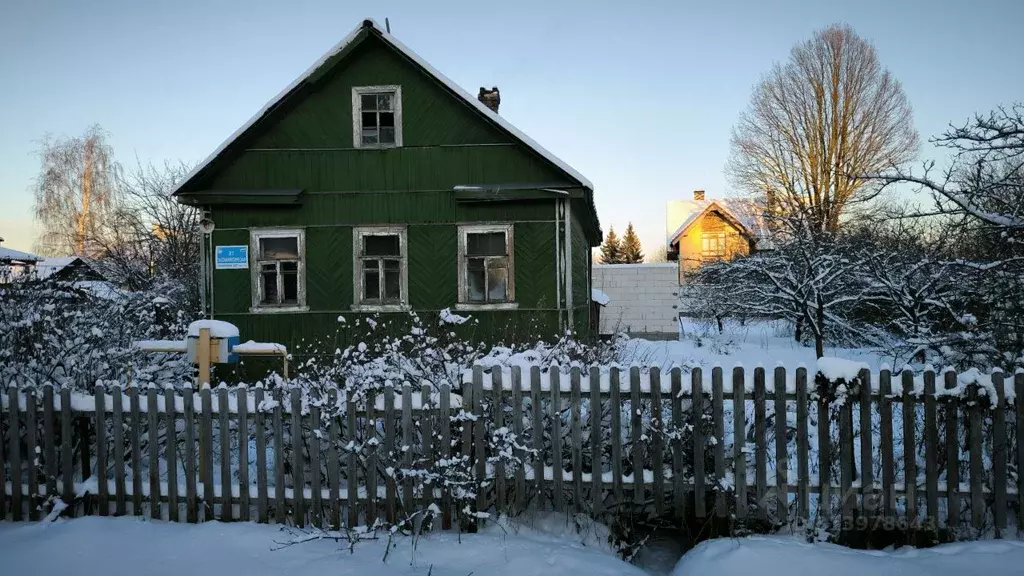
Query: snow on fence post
{"points": [[909, 446], [118, 437], [739, 416], [577, 440], [931, 448], [952, 454], [696, 415], [999, 454], [869, 501], [781, 442], [885, 442], [30, 455], [802, 448], [718, 416]]}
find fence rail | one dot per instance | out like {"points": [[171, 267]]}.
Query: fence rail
{"points": [[928, 447]]}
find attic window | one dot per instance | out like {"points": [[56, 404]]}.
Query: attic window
{"points": [[376, 116], [713, 244]]}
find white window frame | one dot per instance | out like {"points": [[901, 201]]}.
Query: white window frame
{"points": [[358, 234], [256, 269], [357, 115], [721, 239], [464, 303]]}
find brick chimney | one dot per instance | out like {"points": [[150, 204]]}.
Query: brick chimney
{"points": [[698, 195], [491, 98]]}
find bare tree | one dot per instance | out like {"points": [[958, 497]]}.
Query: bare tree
{"points": [[817, 126], [75, 191]]}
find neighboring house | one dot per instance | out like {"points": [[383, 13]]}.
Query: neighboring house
{"points": [[700, 230], [374, 185], [15, 263], [67, 269]]}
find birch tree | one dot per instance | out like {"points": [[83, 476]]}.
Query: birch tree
{"points": [[818, 125], [75, 192]]}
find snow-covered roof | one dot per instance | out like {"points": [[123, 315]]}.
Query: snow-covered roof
{"points": [[49, 266], [370, 23], [742, 210], [10, 254]]}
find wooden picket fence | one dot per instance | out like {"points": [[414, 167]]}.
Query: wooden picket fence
{"points": [[271, 455]]}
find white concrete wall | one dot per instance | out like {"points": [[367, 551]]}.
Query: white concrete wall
{"points": [[645, 297]]}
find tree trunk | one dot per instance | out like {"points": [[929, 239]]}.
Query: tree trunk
{"points": [[799, 332]]}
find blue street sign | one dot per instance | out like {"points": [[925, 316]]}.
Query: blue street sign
{"points": [[231, 257]]}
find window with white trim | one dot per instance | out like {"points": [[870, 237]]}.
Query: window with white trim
{"points": [[278, 273], [486, 275], [713, 244], [376, 116], [381, 279]]}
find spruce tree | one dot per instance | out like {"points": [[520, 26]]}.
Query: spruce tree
{"points": [[630, 251], [611, 249]]}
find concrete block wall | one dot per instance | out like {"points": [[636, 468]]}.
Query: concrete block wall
{"points": [[644, 298]]}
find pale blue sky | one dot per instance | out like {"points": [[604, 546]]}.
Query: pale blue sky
{"points": [[638, 96]]}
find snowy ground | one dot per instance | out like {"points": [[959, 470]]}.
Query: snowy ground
{"points": [[781, 557], [128, 546], [764, 343]]}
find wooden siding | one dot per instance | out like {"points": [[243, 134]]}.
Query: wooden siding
{"points": [[691, 244]]}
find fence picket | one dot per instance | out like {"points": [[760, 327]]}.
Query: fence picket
{"points": [[636, 431], [577, 440], [333, 474], [616, 433], [999, 454], [760, 452], [206, 450], [14, 452], [352, 474], [170, 456], [478, 433], [885, 442], [445, 426], [909, 446], [31, 413], [191, 499], [867, 469], [280, 512], [657, 449], [427, 436], [557, 477], [802, 447], [537, 435], [407, 504], [678, 486], [952, 454], [389, 445], [718, 417], [468, 390], [824, 453], [224, 429], [242, 399], [596, 466], [66, 456], [517, 428], [49, 443], [298, 462], [135, 409], [101, 452], [498, 422], [931, 448], [316, 507], [1018, 386], [739, 456], [781, 452], [977, 471], [697, 420], [262, 515], [4, 450], [848, 498], [118, 437], [154, 452]]}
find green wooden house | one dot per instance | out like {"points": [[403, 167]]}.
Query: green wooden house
{"points": [[373, 185]]}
